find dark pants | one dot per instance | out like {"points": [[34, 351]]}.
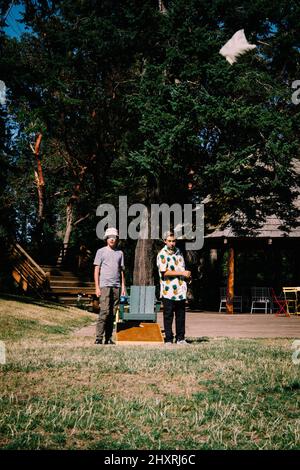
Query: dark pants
{"points": [[171, 307], [109, 299]]}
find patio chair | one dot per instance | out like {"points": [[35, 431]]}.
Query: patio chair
{"points": [[142, 305], [280, 303], [261, 299], [237, 301], [290, 295]]}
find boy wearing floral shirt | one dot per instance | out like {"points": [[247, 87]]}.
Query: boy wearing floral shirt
{"points": [[173, 288]]}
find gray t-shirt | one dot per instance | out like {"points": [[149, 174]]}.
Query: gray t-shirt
{"points": [[111, 263]]}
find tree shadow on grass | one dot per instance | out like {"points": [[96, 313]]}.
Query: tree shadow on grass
{"points": [[34, 301], [200, 339], [194, 340], [291, 387]]}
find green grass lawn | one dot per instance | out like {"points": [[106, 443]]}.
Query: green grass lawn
{"points": [[60, 391]]}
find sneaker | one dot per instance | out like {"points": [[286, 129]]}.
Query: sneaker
{"points": [[109, 341], [182, 342], [98, 341], [168, 343]]}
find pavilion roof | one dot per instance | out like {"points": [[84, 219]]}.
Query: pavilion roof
{"points": [[271, 227]]}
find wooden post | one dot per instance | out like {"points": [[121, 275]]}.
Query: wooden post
{"points": [[230, 282]]}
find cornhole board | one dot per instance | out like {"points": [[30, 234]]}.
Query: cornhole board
{"points": [[135, 332]]}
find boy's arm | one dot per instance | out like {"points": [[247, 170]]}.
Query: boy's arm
{"points": [[96, 279], [177, 273], [122, 270], [123, 287]]}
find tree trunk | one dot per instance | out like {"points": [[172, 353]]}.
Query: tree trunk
{"points": [[143, 258], [70, 217], [162, 7], [68, 231], [41, 196], [40, 184], [69, 222], [213, 256], [230, 282], [143, 263]]}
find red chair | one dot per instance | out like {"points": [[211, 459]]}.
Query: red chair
{"points": [[282, 304]]}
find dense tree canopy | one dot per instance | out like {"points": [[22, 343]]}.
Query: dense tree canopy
{"points": [[132, 99]]}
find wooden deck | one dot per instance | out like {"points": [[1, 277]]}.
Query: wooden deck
{"points": [[242, 325], [213, 325]]}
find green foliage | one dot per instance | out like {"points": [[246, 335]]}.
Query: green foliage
{"points": [[130, 100]]}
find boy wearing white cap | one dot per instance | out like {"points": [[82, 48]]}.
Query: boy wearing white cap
{"points": [[109, 280]]}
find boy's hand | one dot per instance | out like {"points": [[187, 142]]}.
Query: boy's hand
{"points": [[123, 291], [98, 292]]}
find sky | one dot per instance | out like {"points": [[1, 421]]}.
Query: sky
{"points": [[14, 28]]}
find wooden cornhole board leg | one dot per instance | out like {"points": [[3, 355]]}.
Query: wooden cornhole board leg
{"points": [[135, 332]]}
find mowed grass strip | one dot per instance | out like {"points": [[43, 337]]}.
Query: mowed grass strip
{"points": [[21, 319], [63, 392]]}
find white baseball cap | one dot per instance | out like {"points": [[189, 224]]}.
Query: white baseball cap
{"points": [[111, 232]]}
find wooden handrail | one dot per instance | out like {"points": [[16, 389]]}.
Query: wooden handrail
{"points": [[27, 272], [37, 267]]}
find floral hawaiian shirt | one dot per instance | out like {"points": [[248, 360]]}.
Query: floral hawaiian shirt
{"points": [[173, 288]]}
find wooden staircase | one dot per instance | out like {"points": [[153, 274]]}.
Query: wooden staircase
{"points": [[51, 282], [27, 274], [70, 288]]}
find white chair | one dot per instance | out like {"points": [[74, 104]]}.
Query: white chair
{"points": [[261, 299], [237, 301]]}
